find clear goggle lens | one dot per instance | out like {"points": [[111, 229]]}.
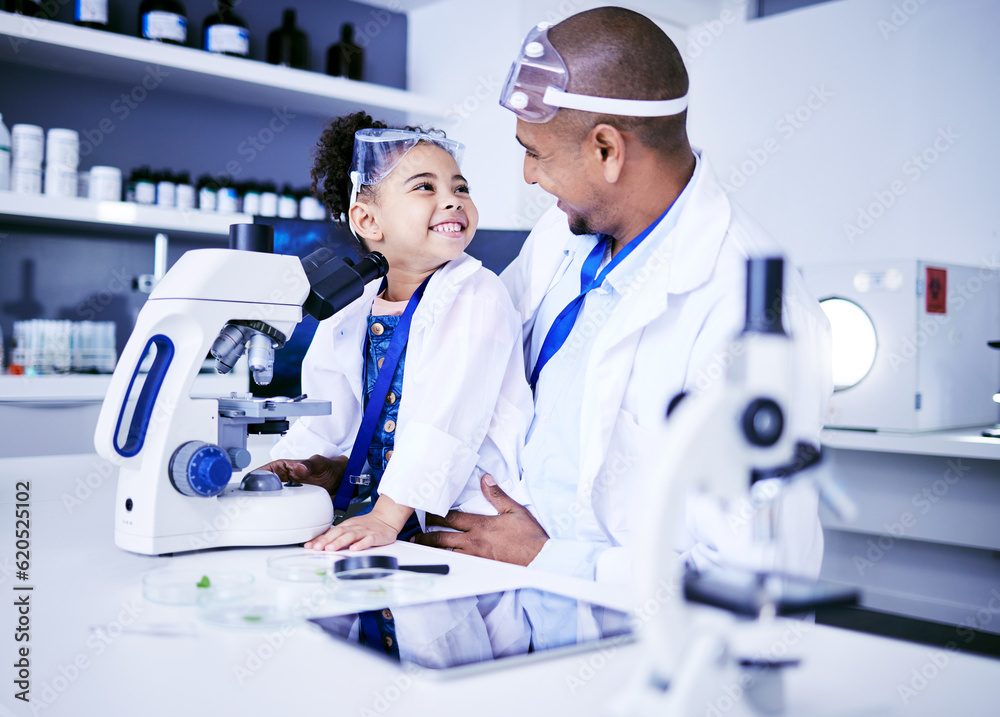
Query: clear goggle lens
{"points": [[378, 151], [537, 68]]}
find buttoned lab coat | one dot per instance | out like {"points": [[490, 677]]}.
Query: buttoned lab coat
{"points": [[670, 334], [465, 405]]}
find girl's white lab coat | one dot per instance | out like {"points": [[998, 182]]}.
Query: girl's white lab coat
{"points": [[465, 405], [669, 334]]}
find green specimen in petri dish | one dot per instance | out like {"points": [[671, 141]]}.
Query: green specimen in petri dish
{"points": [[204, 582]]}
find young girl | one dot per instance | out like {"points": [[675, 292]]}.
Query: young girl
{"points": [[457, 405]]}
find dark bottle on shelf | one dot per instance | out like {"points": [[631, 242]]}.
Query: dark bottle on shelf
{"points": [[163, 21], [288, 45], [226, 32], [345, 58], [24, 7], [91, 13]]}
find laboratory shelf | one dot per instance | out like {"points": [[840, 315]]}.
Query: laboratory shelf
{"points": [[91, 388], [959, 442], [104, 55], [112, 217]]}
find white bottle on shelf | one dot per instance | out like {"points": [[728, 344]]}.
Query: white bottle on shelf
{"points": [[4, 164]]}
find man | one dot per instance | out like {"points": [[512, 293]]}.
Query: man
{"points": [[634, 197], [601, 101]]}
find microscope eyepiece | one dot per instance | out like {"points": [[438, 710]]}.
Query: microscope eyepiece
{"points": [[334, 283], [371, 267], [765, 276]]}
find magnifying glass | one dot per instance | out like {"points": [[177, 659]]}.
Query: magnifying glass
{"points": [[371, 567]]}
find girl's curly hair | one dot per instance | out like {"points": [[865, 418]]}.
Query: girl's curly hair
{"points": [[332, 157]]}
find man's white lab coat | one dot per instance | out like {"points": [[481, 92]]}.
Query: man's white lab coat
{"points": [[669, 333]]}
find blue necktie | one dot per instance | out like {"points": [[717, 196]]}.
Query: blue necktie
{"points": [[589, 279]]}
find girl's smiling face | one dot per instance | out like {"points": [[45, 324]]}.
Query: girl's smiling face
{"points": [[423, 216]]}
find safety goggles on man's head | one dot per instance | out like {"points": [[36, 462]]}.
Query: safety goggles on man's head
{"points": [[536, 87]]}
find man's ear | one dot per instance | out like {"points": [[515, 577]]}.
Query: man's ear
{"points": [[606, 146], [365, 222]]}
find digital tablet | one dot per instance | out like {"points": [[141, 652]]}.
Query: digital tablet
{"points": [[450, 638]]}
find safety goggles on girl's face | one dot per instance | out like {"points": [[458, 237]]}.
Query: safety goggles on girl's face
{"points": [[536, 87], [378, 151]]}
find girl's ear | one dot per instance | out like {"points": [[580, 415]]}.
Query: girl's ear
{"points": [[365, 222]]}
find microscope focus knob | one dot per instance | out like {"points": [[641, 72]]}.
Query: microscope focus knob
{"points": [[200, 469]]}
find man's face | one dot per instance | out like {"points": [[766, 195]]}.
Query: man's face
{"points": [[554, 160]]}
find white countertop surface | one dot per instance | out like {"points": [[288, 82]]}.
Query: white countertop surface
{"points": [[88, 656]]}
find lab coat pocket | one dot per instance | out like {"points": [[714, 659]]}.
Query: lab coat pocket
{"points": [[616, 493]]}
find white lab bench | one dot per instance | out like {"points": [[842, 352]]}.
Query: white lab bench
{"points": [[85, 590], [925, 542]]}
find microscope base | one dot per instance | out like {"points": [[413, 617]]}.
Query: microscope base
{"points": [[238, 518]]}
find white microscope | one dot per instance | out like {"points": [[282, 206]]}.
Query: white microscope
{"points": [[714, 629], [177, 454]]}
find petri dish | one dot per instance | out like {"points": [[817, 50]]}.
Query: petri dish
{"points": [[378, 592], [175, 586], [249, 615], [301, 567]]}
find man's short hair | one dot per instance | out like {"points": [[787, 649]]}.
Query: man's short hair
{"points": [[614, 52]]}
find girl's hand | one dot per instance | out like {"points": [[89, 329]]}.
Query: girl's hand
{"points": [[377, 528], [357, 533]]}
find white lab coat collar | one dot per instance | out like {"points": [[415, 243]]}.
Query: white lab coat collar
{"points": [[351, 325], [683, 260]]}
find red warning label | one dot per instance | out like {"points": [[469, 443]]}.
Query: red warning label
{"points": [[937, 291]]}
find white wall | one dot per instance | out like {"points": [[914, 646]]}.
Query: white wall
{"points": [[880, 94], [887, 80]]}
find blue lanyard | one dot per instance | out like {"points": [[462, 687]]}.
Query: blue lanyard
{"points": [[589, 279], [376, 401]]}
